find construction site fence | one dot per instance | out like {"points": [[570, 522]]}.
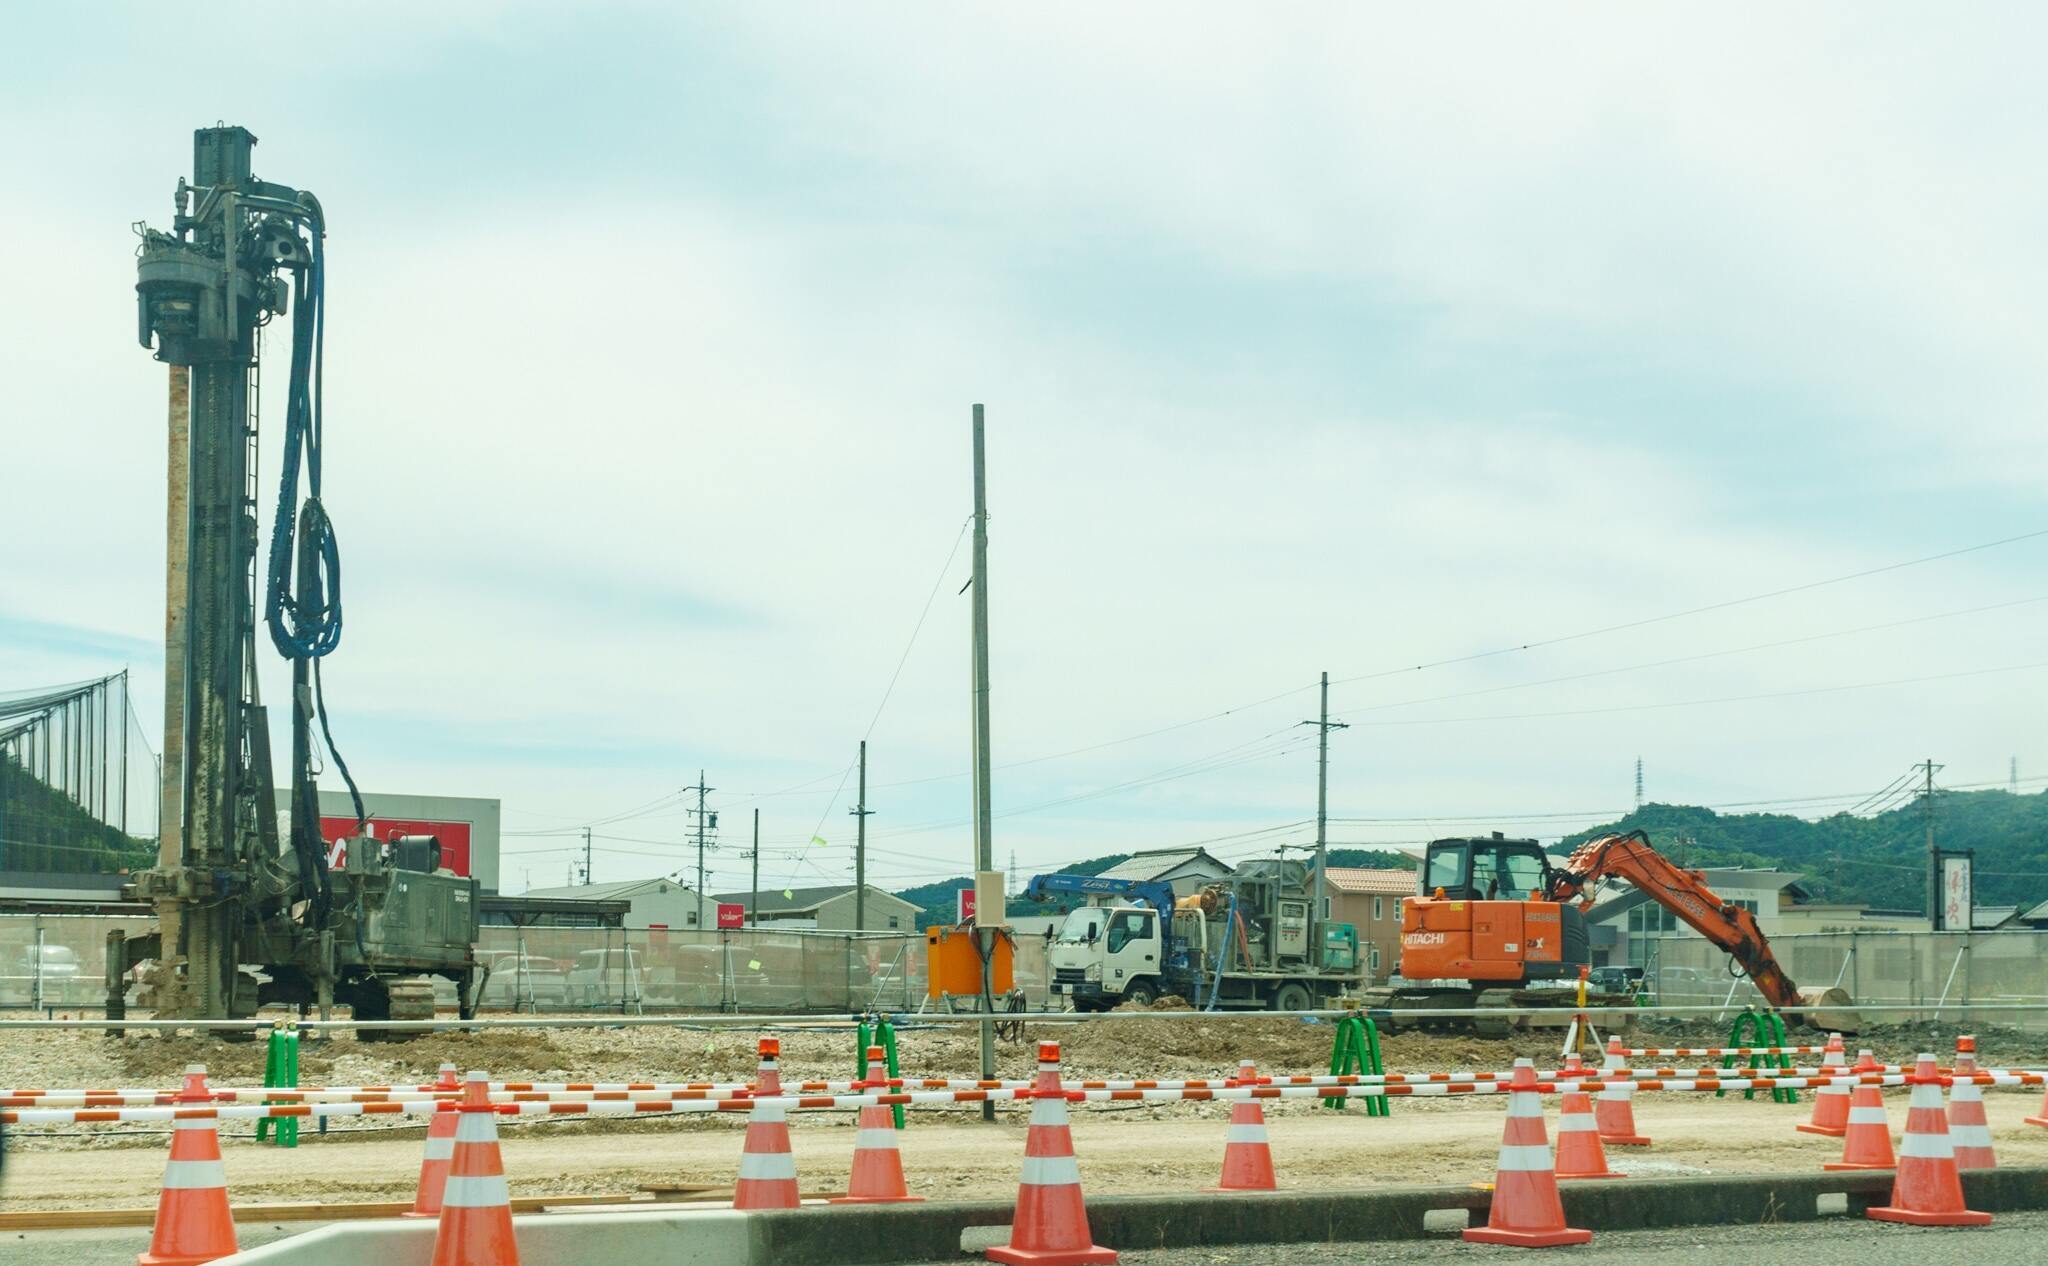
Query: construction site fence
{"points": [[1956, 976], [58, 962]]}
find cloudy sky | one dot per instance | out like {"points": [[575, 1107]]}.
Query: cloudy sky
{"points": [[1311, 339]]}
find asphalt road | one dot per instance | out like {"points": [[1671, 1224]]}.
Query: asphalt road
{"points": [[2014, 1237], [1845, 1241], [114, 1246]]}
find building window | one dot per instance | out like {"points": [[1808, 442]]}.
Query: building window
{"points": [[894, 922], [692, 919], [1326, 909], [1372, 957], [1379, 907]]}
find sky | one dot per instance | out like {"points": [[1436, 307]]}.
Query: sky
{"points": [[1446, 351]]}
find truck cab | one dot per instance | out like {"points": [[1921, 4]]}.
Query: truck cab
{"points": [[1103, 955]]}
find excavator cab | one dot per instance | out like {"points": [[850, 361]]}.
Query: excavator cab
{"points": [[1490, 869], [1485, 914]]}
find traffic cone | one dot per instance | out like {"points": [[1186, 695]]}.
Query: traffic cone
{"points": [[1867, 1138], [767, 1166], [1526, 1211], [1247, 1157], [1830, 1102], [426, 1202], [877, 1166], [1614, 1107], [193, 1224], [1579, 1154], [1968, 1131], [1928, 1190], [476, 1207], [1051, 1224]]}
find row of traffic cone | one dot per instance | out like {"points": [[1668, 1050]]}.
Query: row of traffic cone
{"points": [[462, 1174], [194, 1224]]}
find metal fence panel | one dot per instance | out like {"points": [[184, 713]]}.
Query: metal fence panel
{"points": [[1952, 970], [547, 969]]}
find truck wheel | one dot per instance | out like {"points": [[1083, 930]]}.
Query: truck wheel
{"points": [[1291, 998], [1142, 993]]}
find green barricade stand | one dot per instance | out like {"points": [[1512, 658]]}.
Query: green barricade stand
{"points": [[1356, 1051], [1766, 1028], [281, 1071], [882, 1034]]}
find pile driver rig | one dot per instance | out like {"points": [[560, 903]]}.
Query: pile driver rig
{"points": [[249, 916]]}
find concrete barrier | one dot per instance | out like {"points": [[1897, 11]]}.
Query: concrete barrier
{"points": [[857, 1235]]}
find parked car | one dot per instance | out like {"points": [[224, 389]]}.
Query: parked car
{"points": [[519, 979], [602, 976], [49, 974], [1615, 979]]}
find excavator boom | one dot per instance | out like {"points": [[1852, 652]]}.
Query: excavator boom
{"points": [[1685, 894]]}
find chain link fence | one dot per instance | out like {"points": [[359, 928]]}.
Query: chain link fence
{"points": [[59, 961], [1951, 970]]}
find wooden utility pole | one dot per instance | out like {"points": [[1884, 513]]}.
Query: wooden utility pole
{"points": [[860, 847]]}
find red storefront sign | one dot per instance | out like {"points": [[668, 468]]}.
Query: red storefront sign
{"points": [[454, 837], [731, 914]]}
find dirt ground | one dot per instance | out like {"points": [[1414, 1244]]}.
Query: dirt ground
{"points": [[1122, 1148]]}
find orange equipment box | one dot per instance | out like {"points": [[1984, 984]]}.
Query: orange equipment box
{"points": [[953, 962]]}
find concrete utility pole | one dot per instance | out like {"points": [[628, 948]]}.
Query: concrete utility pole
{"points": [[586, 857], [754, 899], [1933, 858], [860, 847], [1323, 725], [1639, 782], [984, 845], [704, 822]]}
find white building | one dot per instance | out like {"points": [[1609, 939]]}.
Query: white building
{"points": [[1188, 870], [659, 902], [828, 909]]}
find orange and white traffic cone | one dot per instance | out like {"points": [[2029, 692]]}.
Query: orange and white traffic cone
{"points": [[193, 1224], [476, 1207], [1928, 1190], [767, 1165], [2041, 1117], [1526, 1211], [1247, 1157], [1579, 1154], [1968, 1131], [1867, 1138], [426, 1202], [1051, 1224], [877, 1165], [1830, 1102], [1614, 1107]]}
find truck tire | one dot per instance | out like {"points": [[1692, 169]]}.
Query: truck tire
{"points": [[1141, 993], [1292, 997]]}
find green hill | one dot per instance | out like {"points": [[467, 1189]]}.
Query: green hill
{"points": [[41, 829], [1879, 861]]}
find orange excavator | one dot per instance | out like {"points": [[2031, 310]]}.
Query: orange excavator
{"points": [[1495, 919]]}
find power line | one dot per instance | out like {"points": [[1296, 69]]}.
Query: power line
{"points": [[1692, 611], [1695, 703], [1706, 655]]}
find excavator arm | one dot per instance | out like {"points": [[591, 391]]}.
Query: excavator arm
{"points": [[1682, 892]]}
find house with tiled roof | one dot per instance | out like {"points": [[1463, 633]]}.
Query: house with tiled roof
{"points": [[1369, 899]]}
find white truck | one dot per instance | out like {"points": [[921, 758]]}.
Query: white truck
{"points": [[1252, 942]]}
